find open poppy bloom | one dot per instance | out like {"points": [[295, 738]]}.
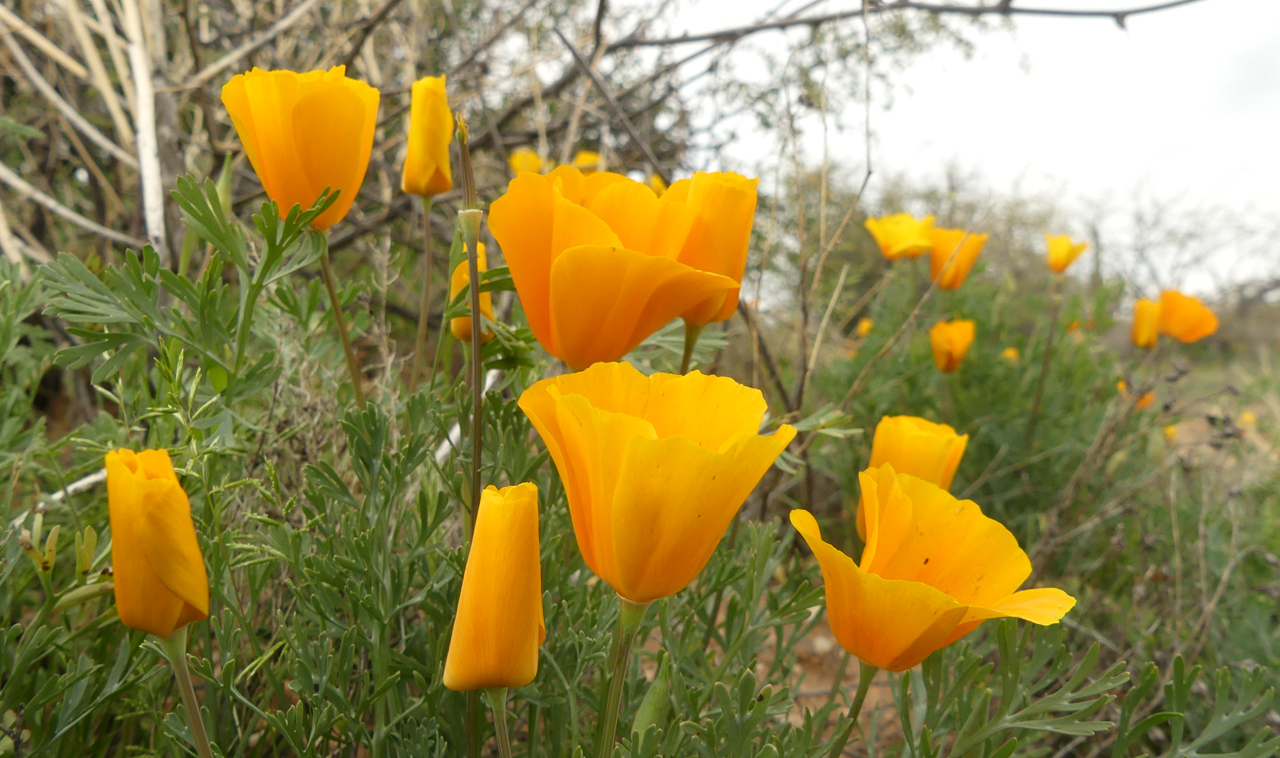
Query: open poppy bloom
{"points": [[499, 625], [1062, 252], [160, 580], [426, 166], [524, 159], [304, 133], [901, 235], [933, 569], [953, 254], [1185, 318], [654, 467], [597, 261]]}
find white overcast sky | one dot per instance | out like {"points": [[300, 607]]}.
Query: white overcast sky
{"points": [[1184, 102]]}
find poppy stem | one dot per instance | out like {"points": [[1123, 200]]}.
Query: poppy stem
{"points": [[866, 673], [327, 271], [469, 221], [175, 649], [497, 698], [629, 617], [691, 334], [420, 343], [473, 724], [1054, 304]]}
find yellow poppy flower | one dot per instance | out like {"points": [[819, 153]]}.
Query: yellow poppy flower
{"points": [[304, 133], [160, 579], [864, 327], [1145, 400], [499, 625], [958, 246], [1011, 354], [1185, 318], [1146, 323], [655, 467], [1171, 434], [901, 235], [657, 185], [587, 161], [524, 159], [426, 167], [1248, 421], [594, 260], [723, 208], [1062, 251], [933, 569], [461, 326], [916, 447], [950, 341]]}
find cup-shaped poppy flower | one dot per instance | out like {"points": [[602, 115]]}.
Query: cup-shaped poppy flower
{"points": [[499, 626], [1062, 251], [950, 341], [723, 208], [953, 254], [864, 327], [426, 166], [901, 235], [160, 579], [524, 159], [586, 161], [655, 467], [932, 570], [1011, 354], [916, 447], [595, 261], [1185, 318], [1146, 323], [461, 326], [304, 133]]}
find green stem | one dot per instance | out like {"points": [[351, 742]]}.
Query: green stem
{"points": [[1054, 305], [327, 270], [420, 343], [629, 617], [497, 698], [473, 724], [175, 649], [866, 673], [469, 220], [691, 333]]}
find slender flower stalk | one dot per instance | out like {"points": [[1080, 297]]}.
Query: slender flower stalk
{"points": [[691, 333], [175, 649], [424, 305], [497, 698], [1055, 303], [341, 322], [469, 224], [866, 673], [624, 634]]}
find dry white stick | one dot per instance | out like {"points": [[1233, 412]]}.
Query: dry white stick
{"points": [[100, 80], [71, 114], [75, 488], [230, 59], [119, 58], [9, 177], [144, 112], [10, 247], [455, 432], [48, 48]]}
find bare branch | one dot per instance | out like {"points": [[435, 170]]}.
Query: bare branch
{"points": [[1003, 9]]}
